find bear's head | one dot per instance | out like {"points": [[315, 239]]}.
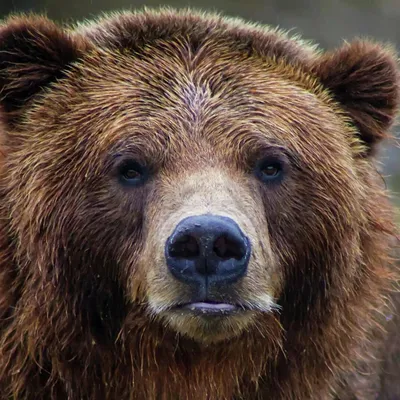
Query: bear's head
{"points": [[193, 176]]}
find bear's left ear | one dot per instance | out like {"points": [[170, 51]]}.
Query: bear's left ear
{"points": [[33, 53], [364, 78]]}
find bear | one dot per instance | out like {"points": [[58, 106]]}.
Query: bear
{"points": [[191, 209]]}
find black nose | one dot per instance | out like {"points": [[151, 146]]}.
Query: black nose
{"points": [[208, 248]]}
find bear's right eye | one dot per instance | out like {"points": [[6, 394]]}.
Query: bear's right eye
{"points": [[133, 173]]}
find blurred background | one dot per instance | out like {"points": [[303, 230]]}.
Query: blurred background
{"points": [[325, 22]]}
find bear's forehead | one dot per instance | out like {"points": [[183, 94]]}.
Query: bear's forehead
{"points": [[215, 90], [165, 92], [135, 30], [166, 57]]}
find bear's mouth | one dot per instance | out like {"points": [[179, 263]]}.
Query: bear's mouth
{"points": [[210, 308]]}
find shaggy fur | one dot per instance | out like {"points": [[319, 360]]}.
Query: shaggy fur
{"points": [[86, 302]]}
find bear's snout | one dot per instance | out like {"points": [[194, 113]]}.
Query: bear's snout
{"points": [[208, 250]]}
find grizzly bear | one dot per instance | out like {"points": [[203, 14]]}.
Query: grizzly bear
{"points": [[190, 209]]}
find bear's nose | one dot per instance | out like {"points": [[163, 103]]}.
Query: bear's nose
{"points": [[208, 249]]}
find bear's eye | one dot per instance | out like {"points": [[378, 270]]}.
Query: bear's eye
{"points": [[269, 169], [131, 172]]}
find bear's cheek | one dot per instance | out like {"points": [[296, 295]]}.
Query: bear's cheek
{"points": [[207, 195]]}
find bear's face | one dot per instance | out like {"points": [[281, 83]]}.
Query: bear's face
{"points": [[122, 161], [202, 186]]}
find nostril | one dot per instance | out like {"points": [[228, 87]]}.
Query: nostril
{"points": [[226, 248], [184, 247]]}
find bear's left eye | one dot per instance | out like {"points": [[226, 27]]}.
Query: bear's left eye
{"points": [[269, 169], [131, 172]]}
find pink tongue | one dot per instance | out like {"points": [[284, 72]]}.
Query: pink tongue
{"points": [[210, 307]]}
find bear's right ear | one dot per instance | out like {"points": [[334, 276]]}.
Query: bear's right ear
{"points": [[33, 53]]}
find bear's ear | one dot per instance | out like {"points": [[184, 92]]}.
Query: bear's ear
{"points": [[33, 53], [364, 78]]}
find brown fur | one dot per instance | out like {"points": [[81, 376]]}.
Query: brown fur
{"points": [[85, 293]]}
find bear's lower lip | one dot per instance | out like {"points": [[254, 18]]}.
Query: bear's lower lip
{"points": [[210, 308]]}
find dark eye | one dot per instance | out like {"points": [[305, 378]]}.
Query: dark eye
{"points": [[269, 170], [133, 173]]}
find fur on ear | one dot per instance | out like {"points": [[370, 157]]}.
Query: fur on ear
{"points": [[364, 78], [33, 53]]}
